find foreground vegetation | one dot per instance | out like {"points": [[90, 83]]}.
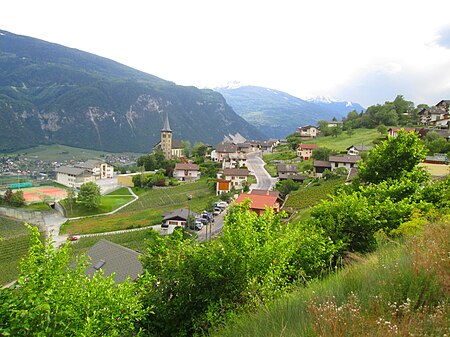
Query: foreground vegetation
{"points": [[401, 290]]}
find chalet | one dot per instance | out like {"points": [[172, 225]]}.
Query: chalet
{"points": [[437, 116], [237, 177], [295, 177], [355, 150], [334, 124], [307, 132], [115, 259], [304, 151], [178, 217], [393, 131], [288, 169], [259, 203], [320, 166], [346, 161], [186, 172], [268, 145], [224, 149], [234, 160]]}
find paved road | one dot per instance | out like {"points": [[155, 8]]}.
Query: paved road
{"points": [[263, 179]]}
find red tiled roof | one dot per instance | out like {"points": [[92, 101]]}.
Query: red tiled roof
{"points": [[187, 167], [258, 201], [307, 146]]}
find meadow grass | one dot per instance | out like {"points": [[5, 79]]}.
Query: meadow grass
{"points": [[120, 191], [343, 141], [400, 290]]}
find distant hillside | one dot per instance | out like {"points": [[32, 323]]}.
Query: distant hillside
{"points": [[278, 114], [51, 94]]}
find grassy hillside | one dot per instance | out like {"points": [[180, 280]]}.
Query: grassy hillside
{"points": [[401, 290], [343, 141]]}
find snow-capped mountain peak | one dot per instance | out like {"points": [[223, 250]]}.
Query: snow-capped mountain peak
{"points": [[322, 99]]}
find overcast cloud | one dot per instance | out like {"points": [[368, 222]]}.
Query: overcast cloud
{"points": [[365, 51]]}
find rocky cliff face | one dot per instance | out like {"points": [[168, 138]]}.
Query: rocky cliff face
{"points": [[53, 94]]}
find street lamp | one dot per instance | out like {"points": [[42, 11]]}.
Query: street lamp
{"points": [[189, 211]]}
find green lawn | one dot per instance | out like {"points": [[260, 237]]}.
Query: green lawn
{"points": [[14, 244], [147, 210], [343, 141], [285, 155], [120, 191], [108, 203]]}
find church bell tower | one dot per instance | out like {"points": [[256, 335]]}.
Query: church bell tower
{"points": [[166, 139]]}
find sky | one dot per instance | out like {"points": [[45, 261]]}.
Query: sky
{"points": [[353, 50]]}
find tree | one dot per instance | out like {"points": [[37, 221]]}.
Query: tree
{"points": [[393, 158], [382, 129], [70, 198], [89, 195], [324, 128], [350, 132], [7, 197], [55, 297], [287, 186], [147, 161], [186, 146], [17, 199], [322, 153], [199, 150]]}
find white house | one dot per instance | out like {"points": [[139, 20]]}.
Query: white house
{"points": [[238, 177], [98, 168], [186, 172], [305, 151], [308, 131], [73, 176]]}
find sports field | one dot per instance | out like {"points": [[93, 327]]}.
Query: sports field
{"points": [[43, 193]]}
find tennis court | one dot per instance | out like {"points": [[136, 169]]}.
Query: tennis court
{"points": [[43, 193]]}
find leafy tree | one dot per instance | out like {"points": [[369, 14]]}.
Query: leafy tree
{"points": [[392, 158], [7, 197], [435, 143], [335, 131], [186, 146], [17, 199], [293, 140], [253, 261], [148, 161], [71, 198], [382, 129], [287, 186], [322, 153], [324, 128], [89, 195], [54, 297], [199, 150]]}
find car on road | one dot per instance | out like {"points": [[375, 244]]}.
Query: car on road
{"points": [[198, 226], [73, 238]]}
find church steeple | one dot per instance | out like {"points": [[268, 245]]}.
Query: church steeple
{"points": [[166, 139], [166, 127]]}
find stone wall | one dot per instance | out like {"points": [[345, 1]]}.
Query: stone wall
{"points": [[31, 217]]}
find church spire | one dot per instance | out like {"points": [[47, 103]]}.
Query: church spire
{"points": [[166, 127]]}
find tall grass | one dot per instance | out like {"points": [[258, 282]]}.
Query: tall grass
{"points": [[401, 290]]}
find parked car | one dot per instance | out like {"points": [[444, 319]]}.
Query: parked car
{"points": [[222, 204], [216, 211], [73, 238], [202, 220], [198, 226]]}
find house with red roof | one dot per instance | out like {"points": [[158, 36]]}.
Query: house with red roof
{"points": [[259, 202], [304, 151], [393, 131]]}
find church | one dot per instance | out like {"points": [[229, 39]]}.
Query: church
{"points": [[171, 148]]}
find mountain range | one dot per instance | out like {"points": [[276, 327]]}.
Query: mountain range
{"points": [[278, 114], [51, 94]]}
